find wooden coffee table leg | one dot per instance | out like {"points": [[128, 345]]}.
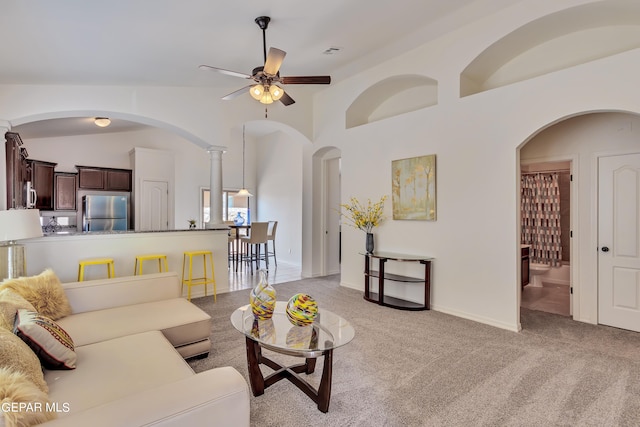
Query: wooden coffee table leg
{"points": [[253, 364], [324, 390], [310, 366]]}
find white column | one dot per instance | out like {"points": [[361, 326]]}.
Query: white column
{"points": [[215, 185], [4, 128]]}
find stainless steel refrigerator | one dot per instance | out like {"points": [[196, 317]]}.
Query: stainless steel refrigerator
{"points": [[105, 213]]}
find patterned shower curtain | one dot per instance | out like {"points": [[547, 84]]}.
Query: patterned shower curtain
{"points": [[540, 212]]}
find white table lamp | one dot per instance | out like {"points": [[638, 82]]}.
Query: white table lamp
{"points": [[16, 224]]}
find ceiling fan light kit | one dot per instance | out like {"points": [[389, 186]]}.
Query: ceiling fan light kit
{"points": [[266, 95], [265, 89]]}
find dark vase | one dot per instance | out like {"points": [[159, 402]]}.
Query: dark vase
{"points": [[369, 243]]}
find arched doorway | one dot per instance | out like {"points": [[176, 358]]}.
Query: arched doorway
{"points": [[326, 201], [584, 139]]}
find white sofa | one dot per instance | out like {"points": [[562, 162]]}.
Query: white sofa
{"points": [[131, 336]]}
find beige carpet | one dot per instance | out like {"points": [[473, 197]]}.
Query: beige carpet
{"points": [[431, 369]]}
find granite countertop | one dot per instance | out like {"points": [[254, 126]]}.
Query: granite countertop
{"points": [[72, 231]]}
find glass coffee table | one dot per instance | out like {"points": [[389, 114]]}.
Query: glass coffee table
{"points": [[328, 332]]}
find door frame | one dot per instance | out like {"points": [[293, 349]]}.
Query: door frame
{"points": [[332, 153], [574, 243], [327, 180]]}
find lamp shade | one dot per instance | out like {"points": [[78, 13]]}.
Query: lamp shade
{"points": [[18, 224], [243, 193]]}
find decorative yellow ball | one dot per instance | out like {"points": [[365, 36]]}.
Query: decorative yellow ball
{"points": [[302, 309]]}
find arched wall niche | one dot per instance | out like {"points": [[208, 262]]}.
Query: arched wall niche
{"points": [[391, 97], [555, 42]]}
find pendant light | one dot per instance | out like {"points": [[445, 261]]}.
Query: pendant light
{"points": [[243, 191]]}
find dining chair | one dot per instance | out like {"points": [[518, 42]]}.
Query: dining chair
{"points": [[271, 237], [251, 243], [231, 244]]}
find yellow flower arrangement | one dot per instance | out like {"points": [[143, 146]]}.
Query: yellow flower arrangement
{"points": [[364, 217]]}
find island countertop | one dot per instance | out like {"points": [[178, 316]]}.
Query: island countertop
{"points": [[61, 252], [74, 232]]}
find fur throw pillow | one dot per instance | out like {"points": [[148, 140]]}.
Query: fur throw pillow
{"points": [[10, 303], [43, 291], [18, 357], [15, 387]]}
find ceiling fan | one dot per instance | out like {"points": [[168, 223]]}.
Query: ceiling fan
{"points": [[267, 77]]}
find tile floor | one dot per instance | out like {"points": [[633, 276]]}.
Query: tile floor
{"points": [[549, 298], [243, 279]]}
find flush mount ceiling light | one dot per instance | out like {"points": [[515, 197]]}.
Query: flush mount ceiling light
{"points": [[102, 121]]}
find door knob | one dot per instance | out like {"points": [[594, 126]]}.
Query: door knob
{"points": [[605, 249]]}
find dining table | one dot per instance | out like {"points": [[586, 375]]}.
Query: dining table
{"points": [[236, 251]]}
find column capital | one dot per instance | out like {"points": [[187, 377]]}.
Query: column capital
{"points": [[219, 148]]}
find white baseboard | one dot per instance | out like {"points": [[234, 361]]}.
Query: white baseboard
{"points": [[480, 319]]}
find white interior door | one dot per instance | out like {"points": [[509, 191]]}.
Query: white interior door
{"points": [[619, 241], [154, 213]]}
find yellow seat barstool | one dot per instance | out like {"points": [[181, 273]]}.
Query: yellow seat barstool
{"points": [[205, 280], [95, 261], [140, 259]]}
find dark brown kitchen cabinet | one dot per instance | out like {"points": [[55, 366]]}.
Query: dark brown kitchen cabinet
{"points": [[119, 180], [91, 179], [66, 188], [16, 156], [41, 176], [107, 179]]}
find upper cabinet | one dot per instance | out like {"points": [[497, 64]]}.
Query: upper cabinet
{"points": [[16, 156], [106, 179], [66, 186], [41, 176]]}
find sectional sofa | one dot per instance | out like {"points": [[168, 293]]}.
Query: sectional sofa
{"points": [[116, 357]]}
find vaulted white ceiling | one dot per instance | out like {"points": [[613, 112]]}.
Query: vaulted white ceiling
{"points": [[162, 42]]}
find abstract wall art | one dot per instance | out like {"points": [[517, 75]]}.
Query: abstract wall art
{"points": [[413, 184]]}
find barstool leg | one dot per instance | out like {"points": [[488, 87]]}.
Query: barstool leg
{"points": [[184, 262], [204, 267]]}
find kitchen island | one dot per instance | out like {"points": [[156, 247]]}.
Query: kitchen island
{"points": [[62, 251]]}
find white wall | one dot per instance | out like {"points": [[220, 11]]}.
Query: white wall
{"points": [[279, 178], [476, 139]]}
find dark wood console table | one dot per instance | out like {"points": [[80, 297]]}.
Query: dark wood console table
{"points": [[382, 299]]}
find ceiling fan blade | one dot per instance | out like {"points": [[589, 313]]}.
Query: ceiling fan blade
{"points": [[306, 80], [236, 93], [286, 99], [274, 61], [223, 71]]}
